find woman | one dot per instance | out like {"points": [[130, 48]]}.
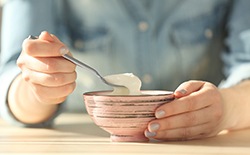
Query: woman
{"points": [[164, 43]]}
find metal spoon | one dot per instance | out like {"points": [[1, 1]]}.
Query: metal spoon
{"points": [[83, 65]]}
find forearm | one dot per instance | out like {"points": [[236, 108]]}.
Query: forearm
{"points": [[24, 105], [237, 106]]}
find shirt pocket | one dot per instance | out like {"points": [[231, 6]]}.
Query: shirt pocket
{"points": [[92, 39], [199, 30]]}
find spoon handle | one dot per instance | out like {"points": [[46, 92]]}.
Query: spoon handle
{"points": [[83, 65]]}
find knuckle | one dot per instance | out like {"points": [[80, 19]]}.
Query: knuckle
{"points": [[25, 76], [19, 62], [51, 65], [53, 79], [58, 79], [28, 46]]}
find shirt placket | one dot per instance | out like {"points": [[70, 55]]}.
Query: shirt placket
{"points": [[144, 53]]}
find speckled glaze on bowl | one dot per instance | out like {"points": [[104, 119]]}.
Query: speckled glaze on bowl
{"points": [[125, 117]]}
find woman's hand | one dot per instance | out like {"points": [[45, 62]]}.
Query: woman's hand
{"points": [[45, 81], [195, 113], [51, 77]]}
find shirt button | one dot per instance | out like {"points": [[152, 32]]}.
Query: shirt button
{"points": [[143, 26], [147, 79], [78, 44], [208, 33]]}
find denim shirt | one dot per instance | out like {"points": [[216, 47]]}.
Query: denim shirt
{"points": [[163, 42]]}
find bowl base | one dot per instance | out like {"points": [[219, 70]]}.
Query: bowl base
{"points": [[128, 138]]}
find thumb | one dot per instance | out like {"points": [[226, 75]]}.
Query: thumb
{"points": [[46, 36], [187, 88], [45, 43], [52, 38]]}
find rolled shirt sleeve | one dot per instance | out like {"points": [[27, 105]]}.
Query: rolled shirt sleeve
{"points": [[237, 57]]}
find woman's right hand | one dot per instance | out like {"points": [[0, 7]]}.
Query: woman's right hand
{"points": [[45, 81], [49, 75]]}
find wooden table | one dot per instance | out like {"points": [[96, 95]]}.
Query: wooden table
{"points": [[77, 134]]}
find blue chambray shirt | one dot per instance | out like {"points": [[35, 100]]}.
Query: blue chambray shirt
{"points": [[163, 42]]}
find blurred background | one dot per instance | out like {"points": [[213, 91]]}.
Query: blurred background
{"points": [[1, 4]]}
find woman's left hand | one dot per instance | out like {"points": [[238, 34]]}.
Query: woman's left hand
{"points": [[196, 113]]}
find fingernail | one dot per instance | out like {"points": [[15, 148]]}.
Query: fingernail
{"points": [[182, 91], [160, 113], [150, 134], [64, 50], [32, 37], [154, 127]]}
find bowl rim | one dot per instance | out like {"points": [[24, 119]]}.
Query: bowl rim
{"points": [[102, 93]]}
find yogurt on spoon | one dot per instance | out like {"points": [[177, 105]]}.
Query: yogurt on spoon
{"points": [[131, 83]]}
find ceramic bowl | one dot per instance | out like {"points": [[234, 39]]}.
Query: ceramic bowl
{"points": [[125, 117]]}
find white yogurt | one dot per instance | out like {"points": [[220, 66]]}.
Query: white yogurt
{"points": [[131, 83]]}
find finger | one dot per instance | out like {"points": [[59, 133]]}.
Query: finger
{"points": [[49, 80], [43, 48], [182, 105], [198, 131], [51, 100], [194, 101], [44, 92], [187, 88], [46, 65], [193, 118]]}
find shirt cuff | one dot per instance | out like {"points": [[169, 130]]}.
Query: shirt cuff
{"points": [[239, 74], [7, 75]]}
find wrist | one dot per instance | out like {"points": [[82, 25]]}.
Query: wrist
{"points": [[236, 106], [229, 119], [24, 105]]}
